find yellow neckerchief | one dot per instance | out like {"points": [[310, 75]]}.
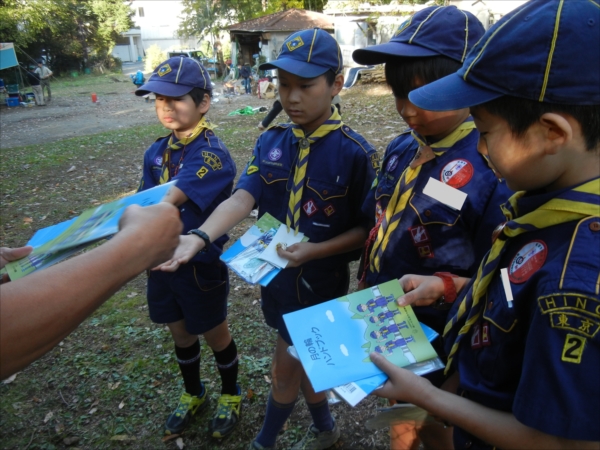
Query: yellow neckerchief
{"points": [[571, 205], [204, 124], [404, 188], [333, 123]]}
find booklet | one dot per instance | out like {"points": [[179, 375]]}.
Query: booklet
{"points": [[334, 339], [57, 242], [254, 255]]}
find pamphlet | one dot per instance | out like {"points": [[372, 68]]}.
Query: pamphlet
{"points": [[254, 256], [334, 339], [57, 242]]}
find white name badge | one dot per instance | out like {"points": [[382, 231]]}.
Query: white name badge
{"points": [[445, 194]]}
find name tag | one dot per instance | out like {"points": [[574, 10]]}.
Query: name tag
{"points": [[445, 194]]}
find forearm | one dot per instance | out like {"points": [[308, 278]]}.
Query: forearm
{"points": [[350, 240], [497, 428], [38, 311], [228, 214]]}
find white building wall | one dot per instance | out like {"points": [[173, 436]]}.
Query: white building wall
{"points": [[487, 11]]}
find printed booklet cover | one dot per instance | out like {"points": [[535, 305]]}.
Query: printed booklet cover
{"points": [[57, 242], [334, 339], [254, 257]]}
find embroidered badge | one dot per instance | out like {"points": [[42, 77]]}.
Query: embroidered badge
{"points": [[163, 70], [378, 211], [251, 169], [573, 349], [158, 160], [392, 163], [457, 173], [212, 160], [375, 161], [402, 27], [329, 210], [527, 261], [572, 311], [203, 171], [310, 208], [295, 43], [425, 251], [419, 234], [275, 154], [476, 336]]}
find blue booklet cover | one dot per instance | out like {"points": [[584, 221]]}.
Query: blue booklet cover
{"points": [[334, 339], [57, 242]]}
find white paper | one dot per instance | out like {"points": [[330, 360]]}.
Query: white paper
{"points": [[506, 285], [281, 237], [445, 194]]}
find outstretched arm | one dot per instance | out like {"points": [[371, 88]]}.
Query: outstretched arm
{"points": [[227, 215], [498, 428], [40, 310]]}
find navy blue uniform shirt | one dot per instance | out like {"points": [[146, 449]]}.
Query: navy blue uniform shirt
{"points": [[539, 359], [341, 168], [205, 176], [431, 236]]}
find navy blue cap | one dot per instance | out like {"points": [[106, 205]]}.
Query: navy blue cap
{"points": [[175, 77], [545, 50], [433, 31], [308, 54]]}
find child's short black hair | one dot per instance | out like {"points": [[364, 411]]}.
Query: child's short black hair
{"points": [[330, 77], [197, 95], [521, 113], [402, 74]]}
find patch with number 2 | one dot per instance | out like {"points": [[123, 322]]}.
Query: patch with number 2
{"points": [[573, 349]]}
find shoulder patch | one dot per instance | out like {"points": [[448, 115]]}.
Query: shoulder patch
{"points": [[528, 260], [572, 311], [212, 160], [251, 168], [457, 173], [375, 161]]}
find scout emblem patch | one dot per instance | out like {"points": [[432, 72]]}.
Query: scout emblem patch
{"points": [[392, 163], [310, 208], [457, 173], [275, 154], [295, 43], [158, 160], [527, 261], [164, 70]]}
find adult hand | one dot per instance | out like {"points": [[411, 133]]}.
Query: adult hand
{"points": [[189, 245], [297, 254], [402, 384], [12, 254], [155, 229], [420, 290]]}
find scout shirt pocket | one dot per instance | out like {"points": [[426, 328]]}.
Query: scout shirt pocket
{"points": [[274, 195], [431, 211], [325, 204]]}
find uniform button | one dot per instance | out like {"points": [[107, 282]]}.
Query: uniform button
{"points": [[270, 175], [595, 226], [490, 304], [427, 213], [468, 444], [325, 192], [379, 190]]}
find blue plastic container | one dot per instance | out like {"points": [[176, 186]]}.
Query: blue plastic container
{"points": [[12, 101]]}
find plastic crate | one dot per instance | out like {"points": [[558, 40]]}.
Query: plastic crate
{"points": [[12, 101]]}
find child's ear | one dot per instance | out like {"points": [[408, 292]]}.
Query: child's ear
{"points": [[338, 84], [558, 131], [205, 105]]}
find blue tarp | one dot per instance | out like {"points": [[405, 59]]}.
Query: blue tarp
{"points": [[8, 57]]}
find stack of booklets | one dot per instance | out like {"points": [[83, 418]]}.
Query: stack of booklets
{"points": [[57, 242], [254, 256], [333, 341]]}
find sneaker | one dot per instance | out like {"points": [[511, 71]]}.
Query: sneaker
{"points": [[256, 446], [187, 407], [227, 415], [318, 440]]}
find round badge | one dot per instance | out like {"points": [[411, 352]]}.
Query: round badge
{"points": [[392, 163], [457, 173], [275, 154], [527, 261], [158, 160]]}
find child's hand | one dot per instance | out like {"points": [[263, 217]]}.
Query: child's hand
{"points": [[188, 246], [402, 384], [420, 290], [297, 254]]}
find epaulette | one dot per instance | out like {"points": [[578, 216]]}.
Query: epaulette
{"points": [[584, 252], [357, 138]]}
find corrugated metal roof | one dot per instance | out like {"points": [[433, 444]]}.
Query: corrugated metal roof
{"points": [[288, 20]]}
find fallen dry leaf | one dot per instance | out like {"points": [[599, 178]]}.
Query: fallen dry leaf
{"points": [[93, 410], [179, 443], [122, 437], [133, 294], [249, 394], [11, 378], [169, 438], [59, 428], [71, 169], [27, 220], [122, 404], [48, 417], [267, 379]]}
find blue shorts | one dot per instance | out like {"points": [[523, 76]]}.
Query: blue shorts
{"points": [[196, 293], [297, 288]]}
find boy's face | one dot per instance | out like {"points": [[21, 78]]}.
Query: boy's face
{"points": [[519, 160], [432, 124], [307, 100], [180, 114]]}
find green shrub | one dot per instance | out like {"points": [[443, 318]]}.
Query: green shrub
{"points": [[154, 56]]}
